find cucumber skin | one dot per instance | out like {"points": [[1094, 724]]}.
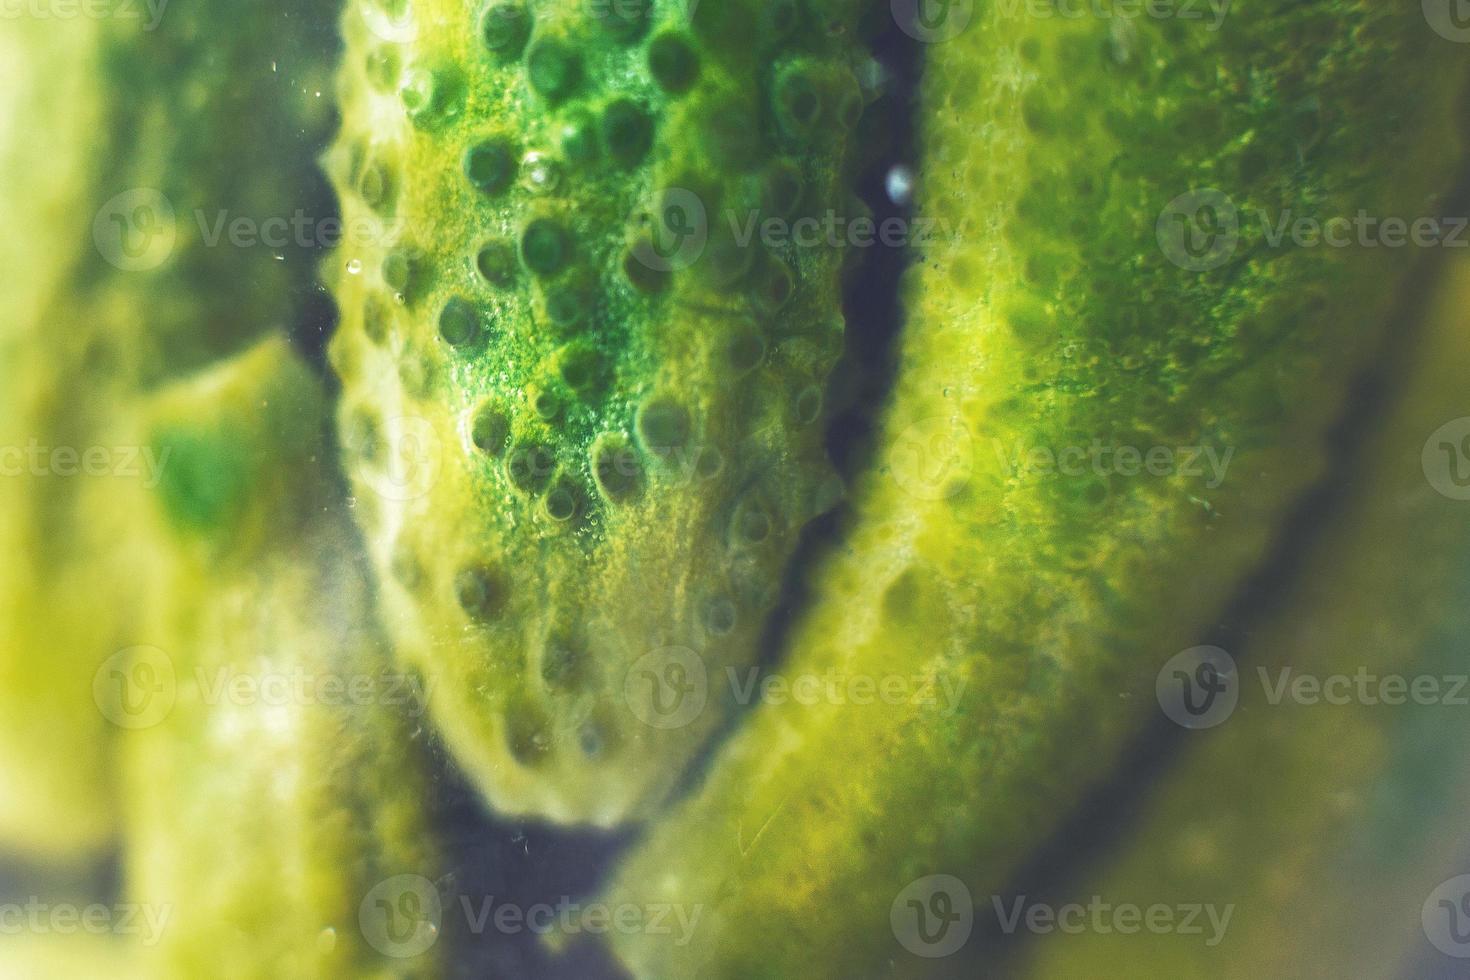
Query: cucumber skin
{"points": [[102, 107], [302, 805], [1325, 826], [1054, 319], [526, 624]]}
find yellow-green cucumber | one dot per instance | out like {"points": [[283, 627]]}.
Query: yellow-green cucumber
{"points": [[1016, 598], [582, 395], [1321, 816], [277, 799]]}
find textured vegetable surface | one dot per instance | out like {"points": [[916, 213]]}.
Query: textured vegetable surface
{"points": [[273, 780], [590, 369], [582, 409], [1073, 309], [128, 144], [1292, 812]]}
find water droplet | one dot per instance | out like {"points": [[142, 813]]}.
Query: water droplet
{"points": [[354, 267], [900, 184], [542, 174]]}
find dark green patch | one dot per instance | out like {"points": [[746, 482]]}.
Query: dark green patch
{"points": [[505, 28], [529, 467], [481, 593], [624, 21], [617, 468], [673, 62], [459, 323], [489, 429], [553, 68], [205, 478], [663, 425], [491, 165], [546, 248], [496, 263], [627, 132]]}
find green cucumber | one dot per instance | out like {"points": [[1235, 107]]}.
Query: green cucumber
{"points": [[582, 410], [1325, 827], [127, 144], [276, 791], [1082, 298]]}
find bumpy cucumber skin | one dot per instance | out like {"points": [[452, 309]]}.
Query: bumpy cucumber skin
{"points": [[263, 824], [1054, 320], [613, 458], [103, 107], [1325, 826]]}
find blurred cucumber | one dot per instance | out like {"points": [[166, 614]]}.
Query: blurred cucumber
{"points": [[1325, 824], [51, 767], [135, 142], [276, 794], [1108, 281]]}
